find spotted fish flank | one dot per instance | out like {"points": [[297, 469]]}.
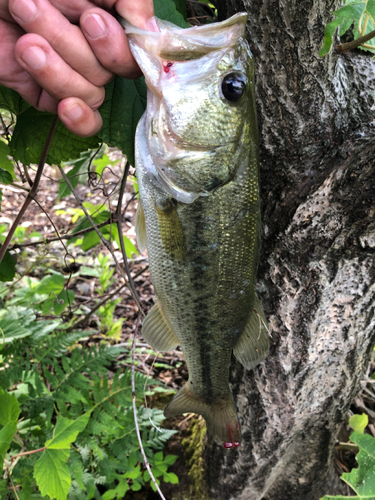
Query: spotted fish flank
{"points": [[197, 169]]}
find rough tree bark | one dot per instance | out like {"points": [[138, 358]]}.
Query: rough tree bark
{"points": [[316, 276]]}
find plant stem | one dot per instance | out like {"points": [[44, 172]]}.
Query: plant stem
{"points": [[342, 47], [145, 461], [27, 453], [121, 238], [34, 188]]}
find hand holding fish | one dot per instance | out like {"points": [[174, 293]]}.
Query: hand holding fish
{"points": [[60, 66]]}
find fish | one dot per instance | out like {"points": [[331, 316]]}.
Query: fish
{"points": [[197, 166]]}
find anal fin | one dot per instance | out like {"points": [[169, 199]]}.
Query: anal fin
{"points": [[157, 332], [140, 228], [253, 345]]}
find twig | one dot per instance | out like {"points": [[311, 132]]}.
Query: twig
{"points": [[342, 47], [121, 238], [34, 188], [145, 461]]}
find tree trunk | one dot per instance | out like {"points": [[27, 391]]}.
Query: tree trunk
{"points": [[316, 275]]}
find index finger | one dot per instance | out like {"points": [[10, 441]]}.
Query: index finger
{"points": [[137, 12]]}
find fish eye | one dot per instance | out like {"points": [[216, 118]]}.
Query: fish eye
{"points": [[233, 86]]}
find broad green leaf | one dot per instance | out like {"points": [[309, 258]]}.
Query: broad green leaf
{"points": [[358, 422], [181, 8], [173, 479], [9, 408], [6, 437], [5, 176], [62, 301], [5, 162], [52, 474], [7, 267], [170, 459], [354, 11], [66, 431], [166, 9], [121, 110], [12, 101], [51, 284], [361, 480], [30, 133], [136, 486]]}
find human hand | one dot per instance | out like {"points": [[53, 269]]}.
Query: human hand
{"points": [[60, 67]]}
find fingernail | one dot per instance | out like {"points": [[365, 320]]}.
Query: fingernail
{"points": [[152, 24], [34, 57], [94, 25], [24, 10], [74, 113]]}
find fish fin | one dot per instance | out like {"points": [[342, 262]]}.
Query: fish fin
{"points": [[253, 345], [157, 332], [140, 228], [220, 416], [171, 232]]}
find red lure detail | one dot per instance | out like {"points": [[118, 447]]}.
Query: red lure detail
{"points": [[167, 67], [231, 445]]}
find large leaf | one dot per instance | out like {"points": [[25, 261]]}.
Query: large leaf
{"points": [[51, 471], [52, 474], [354, 11], [6, 437], [9, 408], [124, 104], [166, 9], [361, 480], [7, 266]]}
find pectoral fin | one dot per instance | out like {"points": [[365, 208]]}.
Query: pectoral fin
{"points": [[253, 345], [171, 232], [157, 332], [140, 228]]}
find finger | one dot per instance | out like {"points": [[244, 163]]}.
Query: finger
{"points": [[137, 12], [78, 117], [103, 31], [39, 16], [51, 72]]}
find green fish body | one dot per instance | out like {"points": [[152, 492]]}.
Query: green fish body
{"points": [[198, 174]]}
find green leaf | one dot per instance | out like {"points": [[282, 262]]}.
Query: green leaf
{"points": [[52, 474], [6, 437], [62, 301], [7, 267], [166, 9], [136, 486], [357, 11], [170, 459], [5, 162], [173, 479], [361, 480], [124, 104], [5, 176], [358, 422], [9, 408], [30, 133], [66, 431], [51, 284]]}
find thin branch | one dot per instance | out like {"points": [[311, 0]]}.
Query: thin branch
{"points": [[34, 188], [121, 238], [342, 47], [27, 453], [70, 236], [145, 461]]}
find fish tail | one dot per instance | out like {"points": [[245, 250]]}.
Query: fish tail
{"points": [[220, 415]]}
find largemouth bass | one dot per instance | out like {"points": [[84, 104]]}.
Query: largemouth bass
{"points": [[199, 216]]}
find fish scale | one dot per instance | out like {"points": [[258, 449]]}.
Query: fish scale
{"points": [[199, 214]]}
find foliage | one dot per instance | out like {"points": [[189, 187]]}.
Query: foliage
{"points": [[69, 411], [359, 14], [361, 480]]}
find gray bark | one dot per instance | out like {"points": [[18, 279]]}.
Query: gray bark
{"points": [[316, 277]]}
